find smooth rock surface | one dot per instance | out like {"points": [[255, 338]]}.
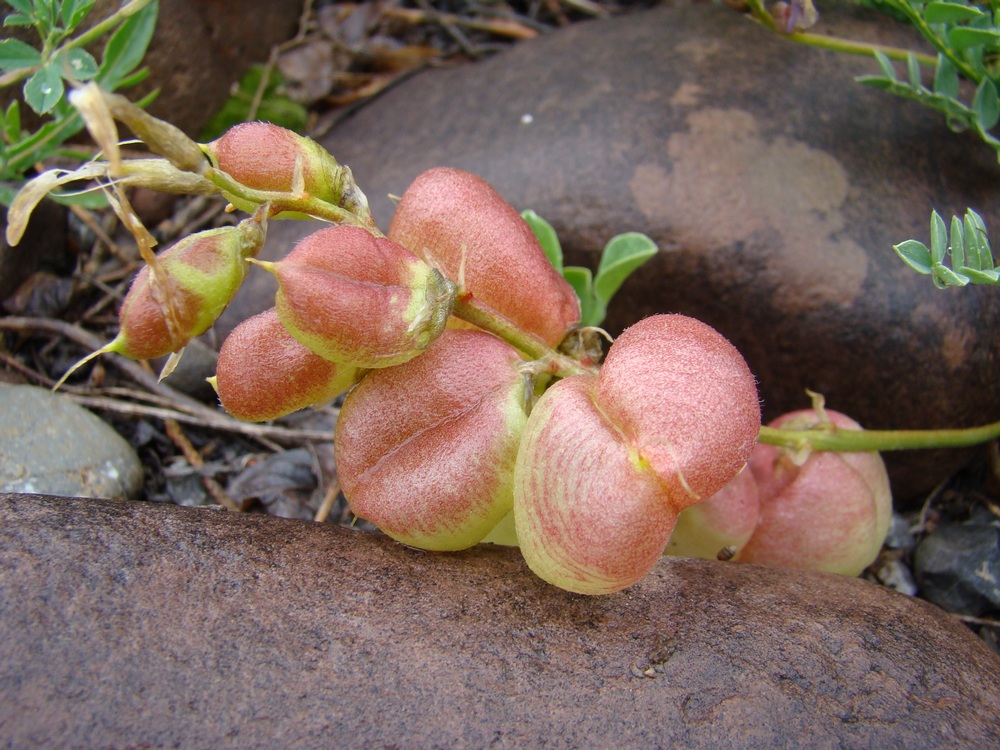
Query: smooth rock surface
{"points": [[147, 625], [774, 184], [48, 444]]}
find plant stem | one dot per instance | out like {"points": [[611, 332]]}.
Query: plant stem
{"points": [[852, 47], [97, 31], [296, 203], [759, 13], [832, 438], [473, 311], [914, 17]]}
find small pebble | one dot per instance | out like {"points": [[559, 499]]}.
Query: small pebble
{"points": [[49, 445], [958, 568]]}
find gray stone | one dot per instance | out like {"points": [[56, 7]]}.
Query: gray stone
{"points": [[958, 567], [49, 445], [149, 625], [775, 185]]}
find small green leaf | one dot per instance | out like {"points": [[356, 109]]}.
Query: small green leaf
{"points": [[963, 37], [7, 193], [975, 232], [44, 89], [42, 143], [12, 121], [886, 64], [15, 54], [945, 78], [583, 284], [957, 237], [16, 19], [915, 254], [74, 11], [44, 14], [621, 257], [939, 237], [876, 82], [977, 243], [546, 237], [971, 249], [986, 104], [982, 277], [913, 68], [127, 46], [958, 250], [24, 6], [950, 13], [945, 277], [138, 77], [92, 200], [77, 64]]}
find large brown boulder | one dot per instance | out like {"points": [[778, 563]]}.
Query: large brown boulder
{"points": [[142, 625], [775, 185]]}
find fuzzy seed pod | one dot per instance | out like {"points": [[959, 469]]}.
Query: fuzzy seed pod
{"points": [[830, 513], [270, 158], [607, 462], [191, 285], [359, 300], [426, 450], [460, 225], [720, 525], [263, 373]]}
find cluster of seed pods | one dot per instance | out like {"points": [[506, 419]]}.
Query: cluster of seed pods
{"points": [[452, 431]]}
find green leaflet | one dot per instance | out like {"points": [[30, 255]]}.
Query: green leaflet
{"points": [[621, 257]]}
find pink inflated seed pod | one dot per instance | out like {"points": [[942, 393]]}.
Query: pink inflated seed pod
{"points": [[264, 373], [459, 224], [608, 462], [830, 511], [426, 450], [360, 300]]}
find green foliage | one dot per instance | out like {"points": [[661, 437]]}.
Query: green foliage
{"points": [[623, 255], [967, 247], [62, 60], [967, 40], [257, 99]]}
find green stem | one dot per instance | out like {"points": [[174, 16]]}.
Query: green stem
{"points": [[759, 13], [96, 32], [914, 17], [831, 438], [293, 202], [860, 48], [473, 311]]}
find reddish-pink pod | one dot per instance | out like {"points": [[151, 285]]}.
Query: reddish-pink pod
{"points": [[426, 450], [359, 300], [263, 373], [270, 158], [195, 279], [830, 512], [459, 224], [606, 464], [684, 397], [719, 527], [590, 516]]}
